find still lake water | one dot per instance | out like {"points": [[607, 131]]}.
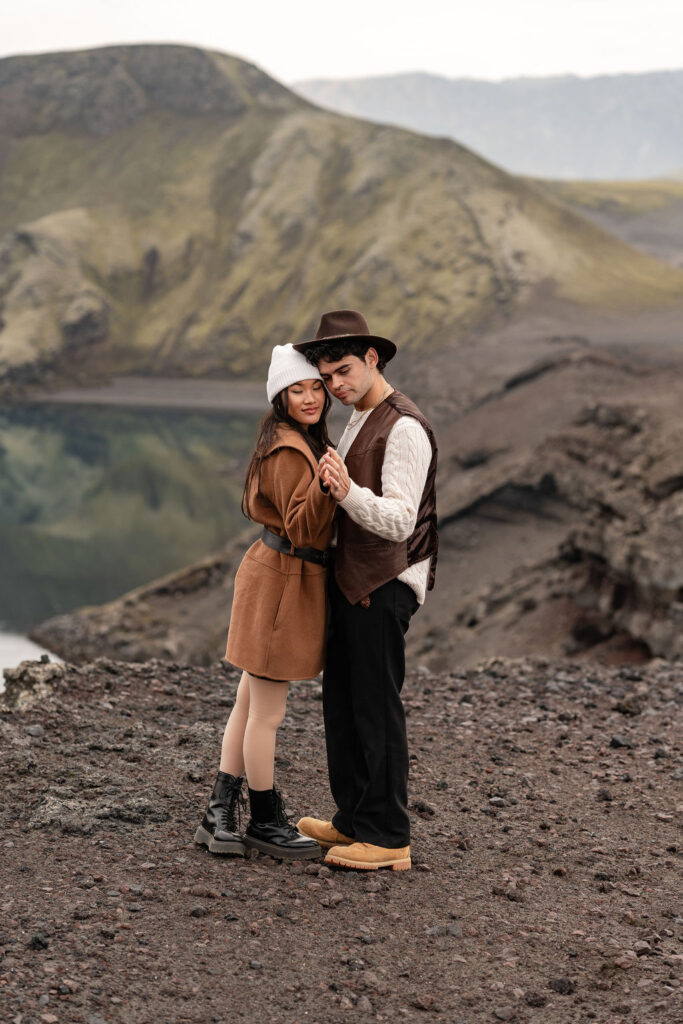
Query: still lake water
{"points": [[94, 501]]}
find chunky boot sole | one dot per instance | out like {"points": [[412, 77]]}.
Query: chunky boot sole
{"points": [[233, 848], [282, 852], [396, 865]]}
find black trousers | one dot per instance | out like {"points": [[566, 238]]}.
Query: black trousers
{"points": [[365, 728]]}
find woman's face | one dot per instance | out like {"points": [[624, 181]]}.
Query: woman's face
{"points": [[305, 401]]}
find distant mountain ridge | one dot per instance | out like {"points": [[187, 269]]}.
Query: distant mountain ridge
{"points": [[609, 126]]}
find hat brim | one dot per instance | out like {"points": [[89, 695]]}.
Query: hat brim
{"points": [[385, 348]]}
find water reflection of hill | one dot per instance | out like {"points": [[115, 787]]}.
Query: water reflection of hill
{"points": [[95, 501]]}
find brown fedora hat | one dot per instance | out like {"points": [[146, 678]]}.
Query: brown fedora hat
{"points": [[348, 323]]}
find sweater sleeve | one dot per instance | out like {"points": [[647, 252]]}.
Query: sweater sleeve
{"points": [[288, 481], [407, 457]]}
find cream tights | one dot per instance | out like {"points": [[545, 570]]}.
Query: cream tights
{"points": [[249, 738]]}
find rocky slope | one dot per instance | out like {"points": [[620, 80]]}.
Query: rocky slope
{"points": [[545, 846], [170, 210]]}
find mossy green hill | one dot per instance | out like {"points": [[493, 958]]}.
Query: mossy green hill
{"points": [[170, 210]]}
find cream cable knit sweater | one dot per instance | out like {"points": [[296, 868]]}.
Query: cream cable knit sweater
{"points": [[404, 473]]}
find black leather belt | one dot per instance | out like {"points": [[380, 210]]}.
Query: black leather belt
{"points": [[277, 543]]}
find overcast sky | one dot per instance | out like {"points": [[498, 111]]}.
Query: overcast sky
{"points": [[314, 38]]}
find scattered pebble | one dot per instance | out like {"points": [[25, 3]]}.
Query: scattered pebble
{"points": [[426, 1002], [424, 808], [565, 986], [504, 1012], [620, 741]]}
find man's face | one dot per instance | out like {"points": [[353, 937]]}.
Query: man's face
{"points": [[350, 378]]}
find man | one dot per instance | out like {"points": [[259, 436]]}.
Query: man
{"points": [[382, 475]]}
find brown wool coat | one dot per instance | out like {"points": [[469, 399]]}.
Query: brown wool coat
{"points": [[278, 620]]}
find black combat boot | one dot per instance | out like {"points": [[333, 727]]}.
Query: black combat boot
{"points": [[270, 832], [219, 827]]}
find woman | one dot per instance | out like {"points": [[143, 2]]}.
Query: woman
{"points": [[277, 625]]}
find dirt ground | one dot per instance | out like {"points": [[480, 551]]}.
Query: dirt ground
{"points": [[546, 803]]}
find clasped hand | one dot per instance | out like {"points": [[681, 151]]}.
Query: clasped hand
{"points": [[334, 474]]}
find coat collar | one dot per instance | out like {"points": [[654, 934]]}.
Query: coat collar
{"points": [[287, 437]]}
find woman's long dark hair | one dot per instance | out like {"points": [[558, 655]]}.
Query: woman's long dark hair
{"points": [[316, 437]]}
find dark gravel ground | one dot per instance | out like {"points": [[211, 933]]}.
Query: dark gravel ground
{"points": [[546, 801]]}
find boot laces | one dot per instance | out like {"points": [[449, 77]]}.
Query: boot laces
{"points": [[281, 815], [229, 814]]}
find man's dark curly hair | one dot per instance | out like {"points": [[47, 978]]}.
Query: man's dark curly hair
{"points": [[333, 351]]}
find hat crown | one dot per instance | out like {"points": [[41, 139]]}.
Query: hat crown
{"points": [[340, 322], [347, 323]]}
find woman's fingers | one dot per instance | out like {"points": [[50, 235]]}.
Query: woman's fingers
{"points": [[334, 474], [338, 486], [329, 474], [332, 471]]}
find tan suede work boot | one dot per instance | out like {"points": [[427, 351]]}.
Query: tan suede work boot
{"points": [[323, 831], [366, 857]]}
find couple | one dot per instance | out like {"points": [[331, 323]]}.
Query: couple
{"points": [[376, 492]]}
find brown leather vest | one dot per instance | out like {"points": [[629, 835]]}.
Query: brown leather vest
{"points": [[363, 560]]}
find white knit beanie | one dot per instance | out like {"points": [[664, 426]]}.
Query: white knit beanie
{"points": [[287, 366]]}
